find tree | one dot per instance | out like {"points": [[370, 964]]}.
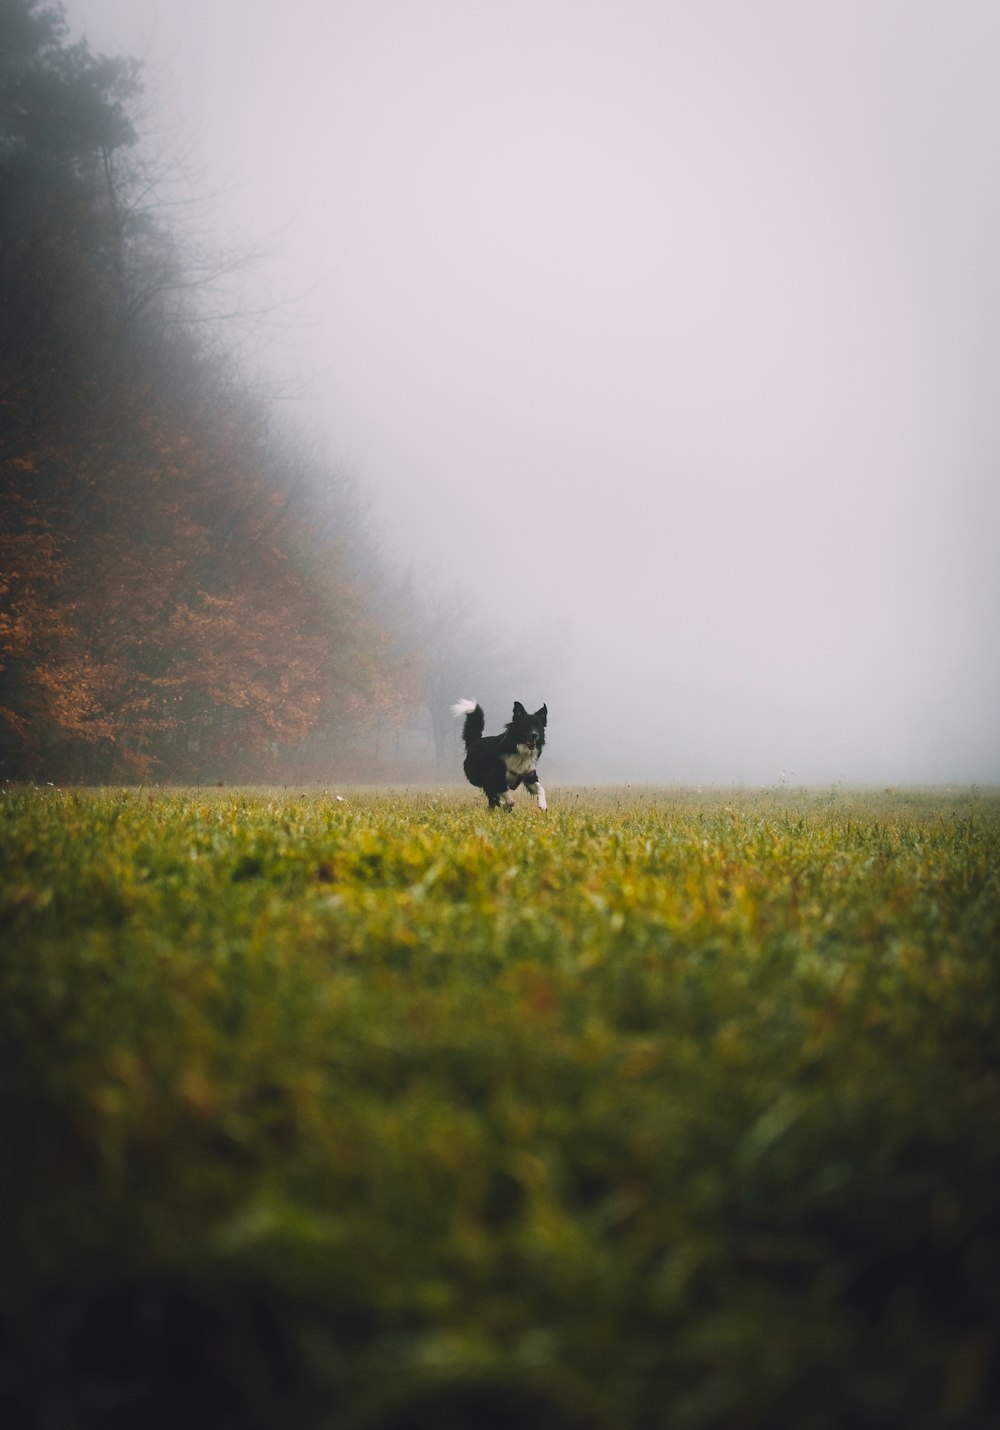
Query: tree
{"points": [[179, 588], [467, 657]]}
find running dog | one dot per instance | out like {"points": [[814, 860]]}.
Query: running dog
{"points": [[497, 764]]}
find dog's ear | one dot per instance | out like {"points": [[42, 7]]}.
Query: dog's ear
{"points": [[542, 714], [519, 710]]}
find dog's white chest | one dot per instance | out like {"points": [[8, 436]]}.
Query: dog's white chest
{"points": [[519, 764]]}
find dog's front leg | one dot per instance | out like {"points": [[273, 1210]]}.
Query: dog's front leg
{"points": [[533, 786]]}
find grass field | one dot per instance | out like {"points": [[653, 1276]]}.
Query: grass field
{"points": [[664, 1109]]}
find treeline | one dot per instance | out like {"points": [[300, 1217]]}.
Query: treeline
{"points": [[185, 592]]}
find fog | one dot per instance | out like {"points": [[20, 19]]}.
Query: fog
{"points": [[669, 333]]}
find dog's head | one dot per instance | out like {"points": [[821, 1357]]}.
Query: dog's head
{"points": [[529, 730]]}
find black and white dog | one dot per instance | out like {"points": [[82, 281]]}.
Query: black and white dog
{"points": [[497, 764]]}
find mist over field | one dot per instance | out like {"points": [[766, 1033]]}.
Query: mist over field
{"points": [[665, 333], [637, 357]]}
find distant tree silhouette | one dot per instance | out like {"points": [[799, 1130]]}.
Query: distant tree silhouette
{"points": [[178, 587]]}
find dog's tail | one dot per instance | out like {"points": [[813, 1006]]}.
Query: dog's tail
{"points": [[475, 720]]}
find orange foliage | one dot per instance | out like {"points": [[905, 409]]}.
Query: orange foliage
{"points": [[173, 590], [167, 602]]}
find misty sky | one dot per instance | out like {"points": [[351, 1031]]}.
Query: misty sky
{"points": [[671, 331]]}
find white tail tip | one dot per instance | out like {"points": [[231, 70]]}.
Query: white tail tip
{"points": [[463, 707]]}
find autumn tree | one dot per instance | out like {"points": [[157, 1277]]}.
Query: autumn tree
{"points": [[169, 599]]}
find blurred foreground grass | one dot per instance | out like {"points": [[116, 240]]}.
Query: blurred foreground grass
{"points": [[667, 1109]]}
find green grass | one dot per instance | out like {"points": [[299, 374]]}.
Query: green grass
{"points": [[664, 1109]]}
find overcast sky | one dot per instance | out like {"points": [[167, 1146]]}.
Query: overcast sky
{"points": [[670, 330]]}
